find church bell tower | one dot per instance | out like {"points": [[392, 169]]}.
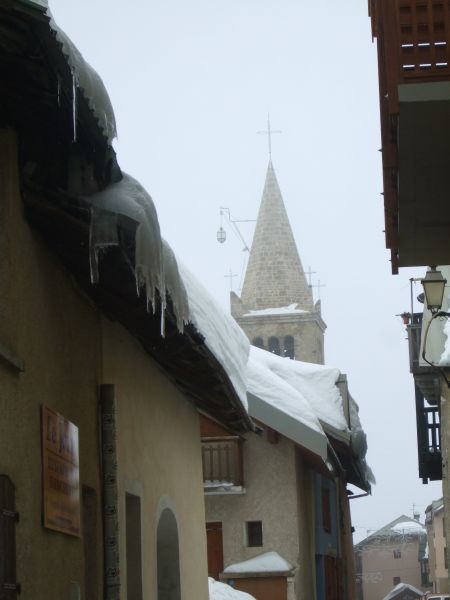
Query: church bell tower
{"points": [[276, 309]]}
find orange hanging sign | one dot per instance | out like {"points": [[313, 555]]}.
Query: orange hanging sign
{"points": [[60, 473]]}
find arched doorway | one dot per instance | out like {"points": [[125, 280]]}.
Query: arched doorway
{"points": [[168, 558]]}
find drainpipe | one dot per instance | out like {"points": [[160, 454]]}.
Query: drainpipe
{"points": [[352, 497], [110, 495]]}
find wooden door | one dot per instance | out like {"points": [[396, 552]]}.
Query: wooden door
{"points": [[263, 588], [330, 578], [215, 548]]}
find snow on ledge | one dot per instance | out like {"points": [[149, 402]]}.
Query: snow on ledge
{"points": [[222, 591], [281, 310], [269, 562]]}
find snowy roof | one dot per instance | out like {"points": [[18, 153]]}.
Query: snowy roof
{"points": [[398, 528], [402, 587], [315, 383], [222, 591], [85, 78], [282, 310], [157, 269], [269, 562], [409, 526], [223, 336], [302, 401], [276, 403]]}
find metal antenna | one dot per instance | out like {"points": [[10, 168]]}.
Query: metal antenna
{"points": [[226, 211], [269, 132]]}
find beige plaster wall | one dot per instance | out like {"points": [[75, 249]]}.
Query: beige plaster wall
{"points": [[379, 567], [270, 481], [46, 323], [159, 459], [306, 577], [439, 543]]}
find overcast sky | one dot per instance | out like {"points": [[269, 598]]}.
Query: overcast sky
{"points": [[191, 83]]}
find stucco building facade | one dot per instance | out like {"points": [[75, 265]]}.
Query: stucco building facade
{"points": [[394, 554], [100, 462], [437, 546]]}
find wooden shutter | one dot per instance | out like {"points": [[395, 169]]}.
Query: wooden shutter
{"points": [[9, 588]]}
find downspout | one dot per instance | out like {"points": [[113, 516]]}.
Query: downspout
{"points": [[352, 497], [110, 495]]}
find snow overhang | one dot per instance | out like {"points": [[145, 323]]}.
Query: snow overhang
{"points": [[59, 78], [287, 425], [65, 223]]}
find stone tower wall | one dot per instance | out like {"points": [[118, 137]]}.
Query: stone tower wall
{"points": [[306, 331]]}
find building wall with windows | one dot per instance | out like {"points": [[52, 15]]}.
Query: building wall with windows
{"points": [[389, 557], [278, 493], [437, 546], [50, 355], [159, 463], [57, 349]]}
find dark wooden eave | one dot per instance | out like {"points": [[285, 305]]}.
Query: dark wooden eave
{"points": [[64, 223]]}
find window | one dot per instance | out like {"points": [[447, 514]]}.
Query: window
{"points": [[258, 342], [396, 580], [274, 345], [90, 545], [168, 557], [326, 510], [443, 526], [397, 553], [254, 534], [445, 559], [289, 347], [133, 546]]}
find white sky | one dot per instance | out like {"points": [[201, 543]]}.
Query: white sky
{"points": [[191, 84]]}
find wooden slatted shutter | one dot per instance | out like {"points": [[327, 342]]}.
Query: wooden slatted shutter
{"points": [[9, 588]]}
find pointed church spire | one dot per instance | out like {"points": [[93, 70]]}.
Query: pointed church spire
{"points": [[274, 275]]}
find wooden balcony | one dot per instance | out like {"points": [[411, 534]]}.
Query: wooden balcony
{"points": [[414, 86], [222, 462], [428, 439]]}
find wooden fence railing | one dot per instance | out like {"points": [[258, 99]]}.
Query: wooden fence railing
{"points": [[222, 460]]}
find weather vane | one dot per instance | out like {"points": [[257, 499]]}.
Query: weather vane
{"points": [[269, 133]]}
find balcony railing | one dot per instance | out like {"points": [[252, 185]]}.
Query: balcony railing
{"points": [[428, 439], [222, 462]]}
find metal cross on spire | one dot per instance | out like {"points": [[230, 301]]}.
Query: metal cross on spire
{"points": [[231, 275], [318, 285], [269, 132], [309, 273]]}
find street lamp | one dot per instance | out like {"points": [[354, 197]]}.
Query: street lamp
{"points": [[221, 235], [433, 286]]}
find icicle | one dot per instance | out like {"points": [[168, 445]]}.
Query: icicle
{"points": [[74, 106], [163, 318], [59, 90], [93, 257]]}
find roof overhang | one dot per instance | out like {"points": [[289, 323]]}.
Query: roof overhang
{"points": [[298, 432], [424, 173], [64, 222]]}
